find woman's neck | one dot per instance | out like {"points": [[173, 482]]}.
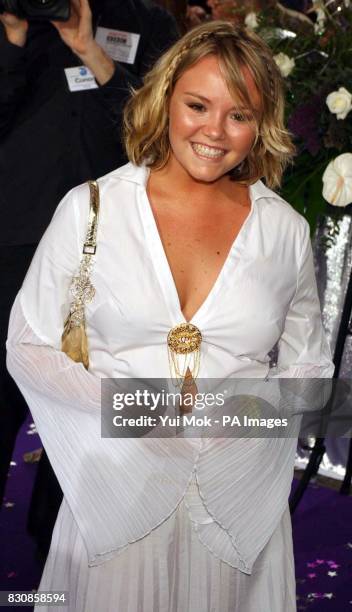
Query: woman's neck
{"points": [[174, 180]]}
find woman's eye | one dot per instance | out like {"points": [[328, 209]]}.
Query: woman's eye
{"points": [[196, 107], [238, 117], [241, 117]]}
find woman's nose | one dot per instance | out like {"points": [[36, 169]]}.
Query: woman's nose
{"points": [[214, 127]]}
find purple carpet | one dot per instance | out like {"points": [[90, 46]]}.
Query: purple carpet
{"points": [[19, 569], [322, 532], [322, 528]]}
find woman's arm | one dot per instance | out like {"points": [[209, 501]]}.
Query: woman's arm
{"points": [[303, 350], [304, 357], [37, 367], [35, 359], [115, 487]]}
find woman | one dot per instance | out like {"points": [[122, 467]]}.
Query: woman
{"points": [[187, 233]]}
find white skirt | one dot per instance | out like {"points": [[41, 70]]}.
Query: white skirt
{"points": [[169, 570]]}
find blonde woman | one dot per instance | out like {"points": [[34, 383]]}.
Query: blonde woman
{"points": [[187, 233]]}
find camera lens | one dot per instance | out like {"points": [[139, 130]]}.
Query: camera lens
{"points": [[41, 4], [38, 9]]}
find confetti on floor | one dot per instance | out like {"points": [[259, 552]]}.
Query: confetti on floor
{"points": [[322, 534]]}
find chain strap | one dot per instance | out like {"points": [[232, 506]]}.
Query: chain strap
{"points": [[74, 338]]}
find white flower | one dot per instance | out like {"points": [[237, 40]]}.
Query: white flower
{"points": [[337, 180], [340, 102], [285, 63], [251, 21], [321, 16], [319, 27], [320, 11], [347, 3]]}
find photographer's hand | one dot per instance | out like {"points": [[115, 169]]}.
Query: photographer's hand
{"points": [[77, 33], [15, 29]]}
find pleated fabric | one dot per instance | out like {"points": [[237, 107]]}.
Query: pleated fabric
{"points": [[133, 534], [169, 570], [119, 490]]}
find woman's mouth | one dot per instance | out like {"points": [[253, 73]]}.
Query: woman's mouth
{"points": [[207, 152]]}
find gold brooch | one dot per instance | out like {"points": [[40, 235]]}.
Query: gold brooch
{"points": [[183, 342]]}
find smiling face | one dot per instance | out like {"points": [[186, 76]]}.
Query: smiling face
{"points": [[210, 133]]}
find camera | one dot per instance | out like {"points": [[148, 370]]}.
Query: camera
{"points": [[58, 10]]}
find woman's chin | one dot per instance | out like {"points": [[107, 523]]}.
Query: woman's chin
{"points": [[205, 173]]}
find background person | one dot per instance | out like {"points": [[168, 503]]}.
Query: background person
{"points": [[52, 138]]}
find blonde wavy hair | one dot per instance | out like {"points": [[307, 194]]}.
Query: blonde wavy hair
{"points": [[146, 133]]}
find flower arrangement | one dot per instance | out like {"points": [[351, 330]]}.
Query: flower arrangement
{"points": [[314, 53]]}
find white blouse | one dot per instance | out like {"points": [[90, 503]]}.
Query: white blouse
{"points": [[120, 489]]}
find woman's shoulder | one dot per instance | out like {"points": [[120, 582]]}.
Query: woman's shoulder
{"points": [[277, 211], [124, 176], [114, 186], [128, 173]]}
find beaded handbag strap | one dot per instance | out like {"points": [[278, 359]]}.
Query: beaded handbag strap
{"points": [[82, 289]]}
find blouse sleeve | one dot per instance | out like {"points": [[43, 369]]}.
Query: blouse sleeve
{"points": [[303, 350], [34, 357], [115, 487]]}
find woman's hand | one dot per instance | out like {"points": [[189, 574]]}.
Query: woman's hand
{"points": [[77, 33], [15, 29]]}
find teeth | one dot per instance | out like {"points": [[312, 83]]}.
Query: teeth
{"points": [[207, 151]]}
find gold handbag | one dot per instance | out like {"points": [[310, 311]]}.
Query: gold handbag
{"points": [[74, 338]]}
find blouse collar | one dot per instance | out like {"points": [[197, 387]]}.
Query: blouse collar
{"points": [[139, 175]]}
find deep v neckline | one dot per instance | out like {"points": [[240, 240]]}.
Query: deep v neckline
{"points": [[163, 269]]}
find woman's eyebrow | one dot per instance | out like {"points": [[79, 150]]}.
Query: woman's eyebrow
{"points": [[197, 95]]}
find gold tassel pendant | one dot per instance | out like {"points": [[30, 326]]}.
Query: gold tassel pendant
{"points": [[184, 342], [74, 342]]}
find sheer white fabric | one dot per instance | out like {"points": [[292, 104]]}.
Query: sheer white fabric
{"points": [[170, 571], [117, 490], [146, 479]]}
